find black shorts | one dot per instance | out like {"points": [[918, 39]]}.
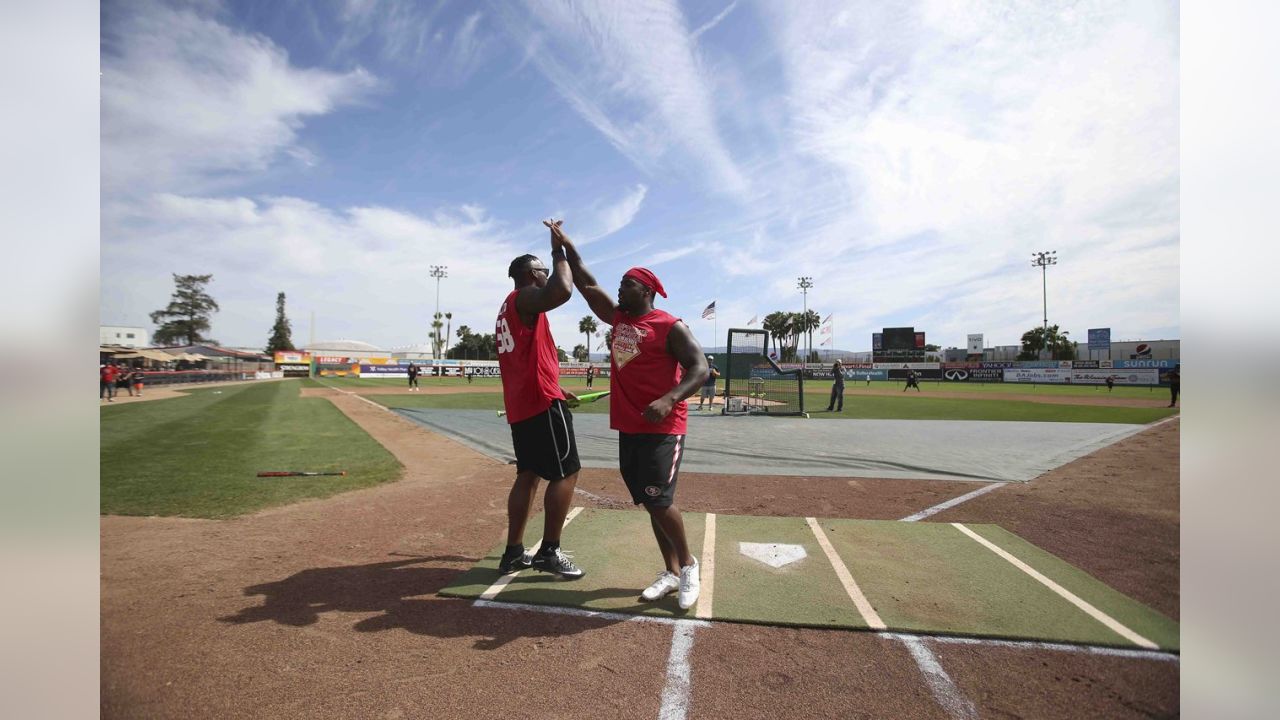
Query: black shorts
{"points": [[650, 465], [545, 443]]}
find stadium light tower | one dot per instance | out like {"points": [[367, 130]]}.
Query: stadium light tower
{"points": [[804, 284], [1043, 260]]}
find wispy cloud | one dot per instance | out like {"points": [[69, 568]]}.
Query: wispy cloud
{"points": [[616, 216], [189, 103], [714, 21], [994, 131], [632, 71]]}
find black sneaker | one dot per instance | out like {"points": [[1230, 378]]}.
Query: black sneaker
{"points": [[557, 562], [514, 563]]}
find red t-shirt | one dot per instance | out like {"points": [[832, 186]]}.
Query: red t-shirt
{"points": [[528, 361], [108, 374], [643, 370]]}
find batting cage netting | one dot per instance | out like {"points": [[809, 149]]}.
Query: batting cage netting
{"points": [[754, 383]]}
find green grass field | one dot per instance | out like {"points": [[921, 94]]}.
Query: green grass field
{"points": [[822, 387], [867, 406], [198, 456]]}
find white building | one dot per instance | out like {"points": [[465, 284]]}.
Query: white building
{"points": [[134, 337]]}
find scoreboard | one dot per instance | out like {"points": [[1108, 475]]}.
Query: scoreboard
{"points": [[898, 344]]}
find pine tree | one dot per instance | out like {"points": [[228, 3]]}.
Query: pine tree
{"points": [[281, 332], [187, 315]]}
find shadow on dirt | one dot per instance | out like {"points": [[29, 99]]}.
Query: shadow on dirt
{"points": [[395, 589]]}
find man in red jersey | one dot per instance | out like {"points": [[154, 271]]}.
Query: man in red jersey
{"points": [[655, 364], [541, 424]]}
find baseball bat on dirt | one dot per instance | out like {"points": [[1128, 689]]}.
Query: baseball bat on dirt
{"points": [[297, 473]]}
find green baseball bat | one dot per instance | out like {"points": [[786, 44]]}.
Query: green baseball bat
{"points": [[583, 398]]}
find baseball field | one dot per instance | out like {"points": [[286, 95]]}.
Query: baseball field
{"points": [[852, 592]]}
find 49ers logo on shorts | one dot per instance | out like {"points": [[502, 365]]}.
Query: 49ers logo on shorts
{"points": [[626, 343], [653, 491]]}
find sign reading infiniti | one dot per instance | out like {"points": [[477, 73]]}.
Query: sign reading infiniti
{"points": [[955, 374]]}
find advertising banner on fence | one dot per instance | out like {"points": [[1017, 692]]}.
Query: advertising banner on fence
{"points": [[1162, 364], [1037, 375], [293, 357], [384, 370], [1123, 377]]}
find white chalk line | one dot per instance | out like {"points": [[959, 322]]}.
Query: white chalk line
{"points": [[707, 571], [952, 502], [679, 685], [505, 580], [1129, 653], [868, 613], [940, 684], [584, 613], [1093, 612]]}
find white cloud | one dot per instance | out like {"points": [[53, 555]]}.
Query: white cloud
{"points": [[931, 147], [611, 218], [715, 20], [188, 103], [632, 71], [358, 269]]}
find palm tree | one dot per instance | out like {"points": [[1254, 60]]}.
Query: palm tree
{"points": [[449, 327], [776, 324], [436, 341], [808, 322], [587, 326]]}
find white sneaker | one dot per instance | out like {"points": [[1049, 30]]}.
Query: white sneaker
{"points": [[690, 585], [666, 584]]}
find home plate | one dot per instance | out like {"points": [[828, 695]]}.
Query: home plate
{"points": [[772, 554]]}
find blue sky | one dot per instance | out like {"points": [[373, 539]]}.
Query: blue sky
{"points": [[909, 157]]}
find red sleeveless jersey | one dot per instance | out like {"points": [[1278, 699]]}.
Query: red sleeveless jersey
{"points": [[528, 362], [643, 370]]}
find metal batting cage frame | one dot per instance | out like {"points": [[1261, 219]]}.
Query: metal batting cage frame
{"points": [[753, 383]]}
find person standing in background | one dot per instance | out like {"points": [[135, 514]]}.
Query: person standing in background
{"points": [[837, 389]]}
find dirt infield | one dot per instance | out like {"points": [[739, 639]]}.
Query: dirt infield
{"points": [[328, 607]]}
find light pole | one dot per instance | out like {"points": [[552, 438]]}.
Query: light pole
{"points": [[1043, 260], [438, 272], [805, 283]]}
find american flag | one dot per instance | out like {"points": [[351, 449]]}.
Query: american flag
{"points": [[826, 330], [752, 321], [710, 312], [828, 318]]}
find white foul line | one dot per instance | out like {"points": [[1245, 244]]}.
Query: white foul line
{"points": [[1070, 597], [1156, 655], [707, 573], [584, 613], [846, 578], [503, 581], [952, 502], [939, 682], [675, 695]]}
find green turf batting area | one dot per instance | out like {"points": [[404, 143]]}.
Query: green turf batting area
{"points": [[930, 578]]}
